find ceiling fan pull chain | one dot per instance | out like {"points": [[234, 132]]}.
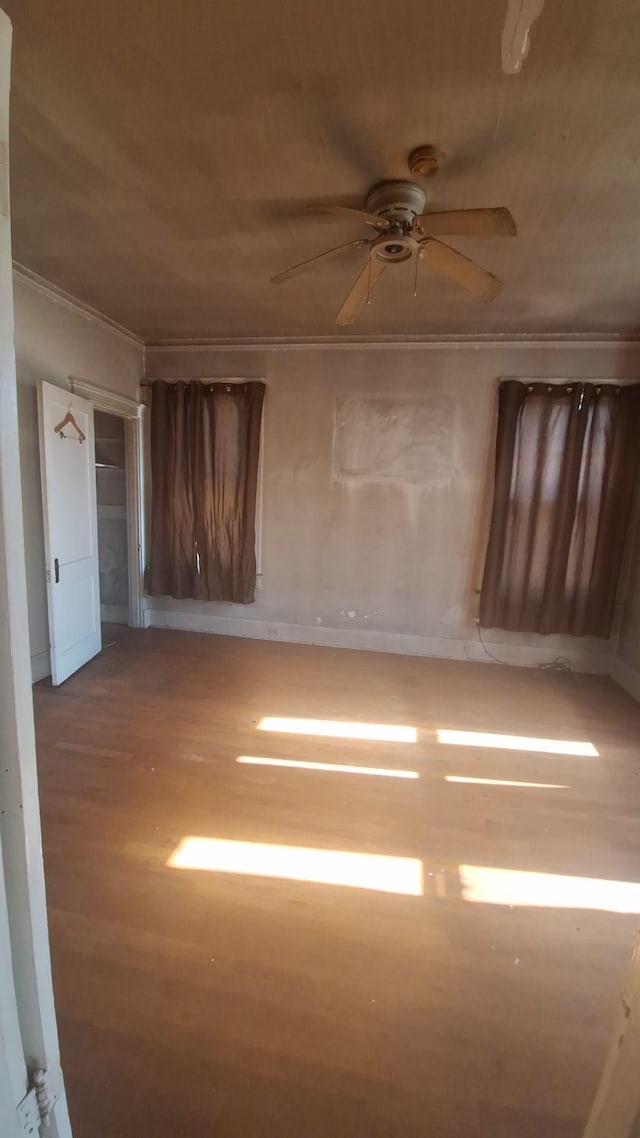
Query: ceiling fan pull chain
{"points": [[369, 283], [415, 277]]}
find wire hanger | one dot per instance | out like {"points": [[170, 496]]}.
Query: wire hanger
{"points": [[70, 421]]}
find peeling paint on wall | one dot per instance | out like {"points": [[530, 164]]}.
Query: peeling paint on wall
{"points": [[383, 438]]}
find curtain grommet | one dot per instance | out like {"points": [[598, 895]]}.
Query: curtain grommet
{"points": [[530, 389]]}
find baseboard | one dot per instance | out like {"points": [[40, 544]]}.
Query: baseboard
{"points": [[40, 666], [114, 614], [519, 655], [626, 677]]}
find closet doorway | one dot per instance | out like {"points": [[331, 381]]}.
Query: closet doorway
{"points": [[113, 525], [119, 432], [91, 447]]}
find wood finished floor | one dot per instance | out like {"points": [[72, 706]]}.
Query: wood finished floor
{"points": [[224, 1005]]}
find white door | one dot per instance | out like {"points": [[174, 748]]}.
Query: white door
{"points": [[67, 468]]}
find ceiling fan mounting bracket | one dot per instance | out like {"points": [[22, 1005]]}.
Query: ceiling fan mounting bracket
{"points": [[424, 161], [396, 202]]}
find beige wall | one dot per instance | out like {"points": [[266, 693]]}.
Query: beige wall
{"points": [[386, 563], [55, 341], [391, 562]]}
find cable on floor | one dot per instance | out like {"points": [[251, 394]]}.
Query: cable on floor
{"points": [[560, 664]]}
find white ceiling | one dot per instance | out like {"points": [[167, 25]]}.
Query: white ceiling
{"points": [[163, 153]]}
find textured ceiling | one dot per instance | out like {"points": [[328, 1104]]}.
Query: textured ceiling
{"points": [[162, 155]]}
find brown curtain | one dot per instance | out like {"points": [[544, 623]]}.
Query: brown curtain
{"points": [[566, 465], [205, 440]]}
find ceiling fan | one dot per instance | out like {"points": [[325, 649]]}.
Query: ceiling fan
{"points": [[396, 209]]}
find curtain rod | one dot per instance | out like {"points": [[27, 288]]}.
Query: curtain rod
{"points": [[203, 379]]}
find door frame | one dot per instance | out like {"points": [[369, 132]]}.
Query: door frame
{"points": [[25, 974], [133, 414]]}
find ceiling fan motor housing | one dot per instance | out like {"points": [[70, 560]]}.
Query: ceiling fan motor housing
{"points": [[398, 203]]}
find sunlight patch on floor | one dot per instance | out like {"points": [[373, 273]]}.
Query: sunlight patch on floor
{"points": [[340, 768], [515, 742], [505, 782], [299, 863], [547, 890], [339, 729]]}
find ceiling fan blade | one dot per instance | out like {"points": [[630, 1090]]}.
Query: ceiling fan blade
{"points": [[362, 214], [452, 264], [304, 265], [496, 222], [358, 292]]}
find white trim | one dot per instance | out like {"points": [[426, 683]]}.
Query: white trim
{"points": [[616, 1107], [114, 614], [133, 413], [40, 666], [13, 1070], [59, 296], [462, 341], [22, 873], [134, 458], [370, 641], [110, 401], [626, 677]]}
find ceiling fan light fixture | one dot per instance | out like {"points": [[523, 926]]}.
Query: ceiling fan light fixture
{"points": [[394, 246]]}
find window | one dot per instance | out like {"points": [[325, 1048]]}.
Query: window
{"points": [[205, 448], [566, 466]]}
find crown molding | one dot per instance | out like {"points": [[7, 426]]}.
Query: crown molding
{"points": [[463, 341], [59, 296], [354, 343]]}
